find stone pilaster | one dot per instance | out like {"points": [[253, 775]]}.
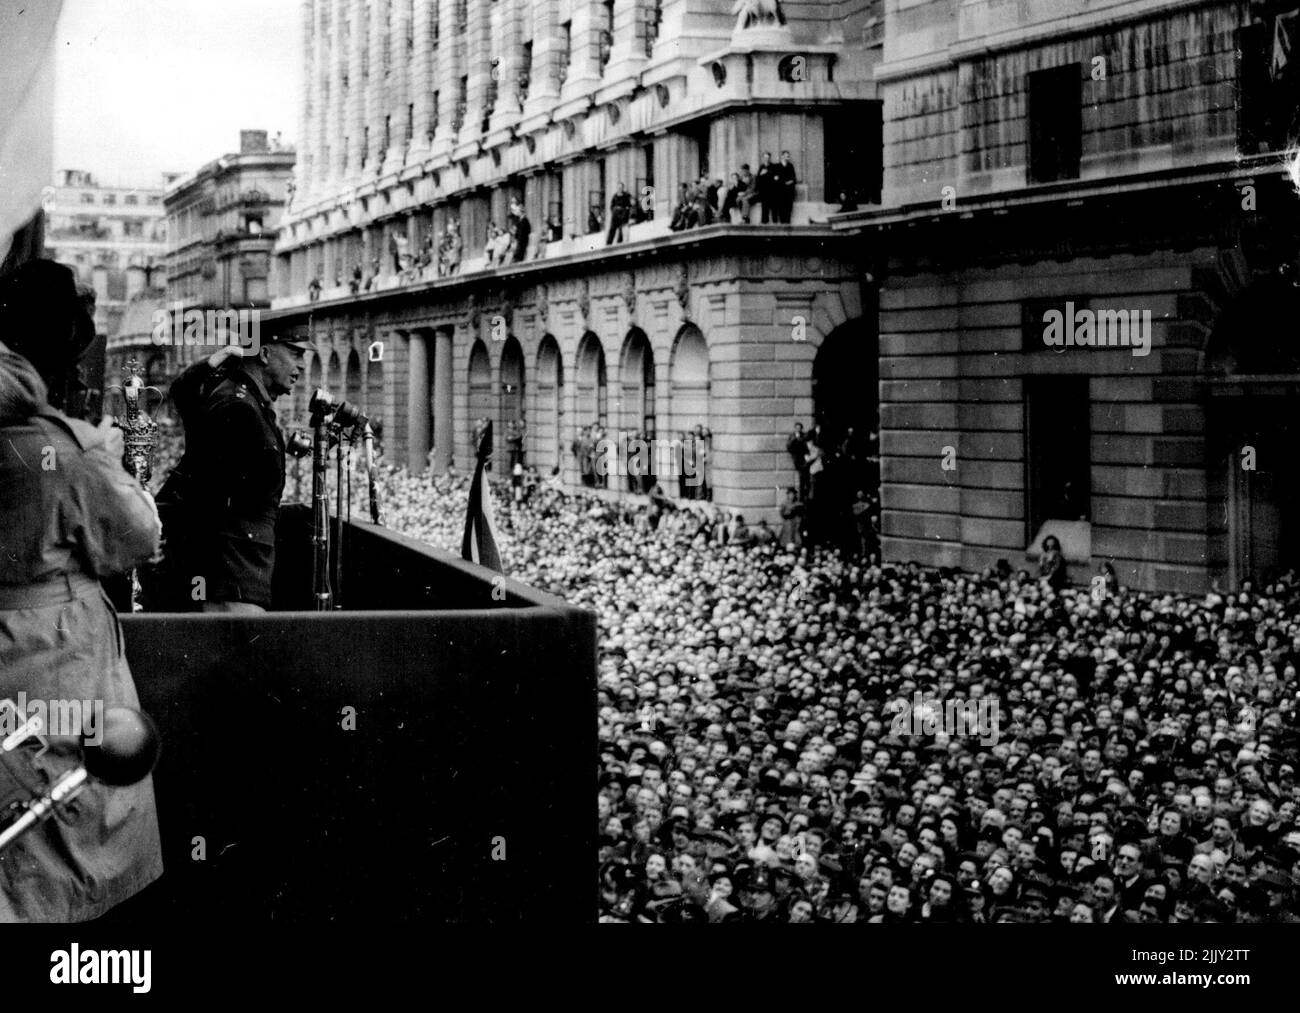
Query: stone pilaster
{"points": [[478, 65], [446, 74], [397, 83], [547, 41], [354, 123], [421, 81], [374, 82]]}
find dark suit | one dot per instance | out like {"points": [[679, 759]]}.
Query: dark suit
{"points": [[620, 214], [765, 181], [785, 180], [221, 503]]}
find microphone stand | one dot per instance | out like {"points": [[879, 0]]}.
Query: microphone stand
{"points": [[338, 516], [368, 441], [320, 559]]}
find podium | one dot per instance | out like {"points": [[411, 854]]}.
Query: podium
{"points": [[425, 755]]}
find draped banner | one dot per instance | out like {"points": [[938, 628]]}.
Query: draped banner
{"points": [[27, 33]]}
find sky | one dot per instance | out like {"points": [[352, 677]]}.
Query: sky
{"points": [[150, 86]]}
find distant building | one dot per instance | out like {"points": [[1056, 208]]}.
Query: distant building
{"points": [[114, 237], [221, 227]]}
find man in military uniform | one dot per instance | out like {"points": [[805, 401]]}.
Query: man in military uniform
{"points": [[220, 504]]}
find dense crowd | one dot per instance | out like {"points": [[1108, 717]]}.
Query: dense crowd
{"points": [[754, 764]]}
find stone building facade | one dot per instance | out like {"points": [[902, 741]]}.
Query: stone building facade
{"points": [[1109, 164], [114, 237], [419, 115], [221, 227]]}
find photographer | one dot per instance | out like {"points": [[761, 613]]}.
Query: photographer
{"points": [[70, 514]]}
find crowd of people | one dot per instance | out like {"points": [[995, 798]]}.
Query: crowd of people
{"points": [[837, 502], [771, 188], [753, 766]]}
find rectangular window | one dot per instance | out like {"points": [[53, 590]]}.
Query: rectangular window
{"points": [[365, 146], [555, 206], [462, 104], [131, 199], [433, 121], [1055, 123], [410, 122], [1268, 82], [110, 198], [654, 14], [566, 49], [854, 166], [596, 201], [1058, 450], [1034, 318], [644, 208], [606, 33], [525, 72]]}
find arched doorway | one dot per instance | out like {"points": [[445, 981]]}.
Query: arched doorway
{"points": [[510, 427], [334, 375], [591, 380], [846, 407], [352, 378], [688, 408], [637, 414], [549, 409], [688, 376], [1252, 427], [591, 394], [482, 405]]}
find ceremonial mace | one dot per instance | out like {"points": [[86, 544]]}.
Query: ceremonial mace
{"points": [[139, 437]]}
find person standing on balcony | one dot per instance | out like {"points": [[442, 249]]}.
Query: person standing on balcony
{"points": [[620, 214], [521, 228], [765, 182], [785, 186]]}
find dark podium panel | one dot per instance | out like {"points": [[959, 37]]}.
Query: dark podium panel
{"points": [[463, 793]]}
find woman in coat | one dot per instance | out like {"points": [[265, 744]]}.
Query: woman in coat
{"points": [[69, 514]]}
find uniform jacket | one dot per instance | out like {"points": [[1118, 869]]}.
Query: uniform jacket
{"points": [[221, 502], [69, 513]]}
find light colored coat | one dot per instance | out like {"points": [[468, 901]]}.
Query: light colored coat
{"points": [[69, 513]]}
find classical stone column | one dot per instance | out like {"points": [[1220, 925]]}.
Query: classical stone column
{"points": [[417, 404], [397, 83], [478, 60], [443, 432], [544, 87], [374, 85], [627, 54], [421, 79], [355, 111], [447, 72]]}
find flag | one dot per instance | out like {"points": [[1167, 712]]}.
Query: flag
{"points": [[480, 542], [27, 111]]}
